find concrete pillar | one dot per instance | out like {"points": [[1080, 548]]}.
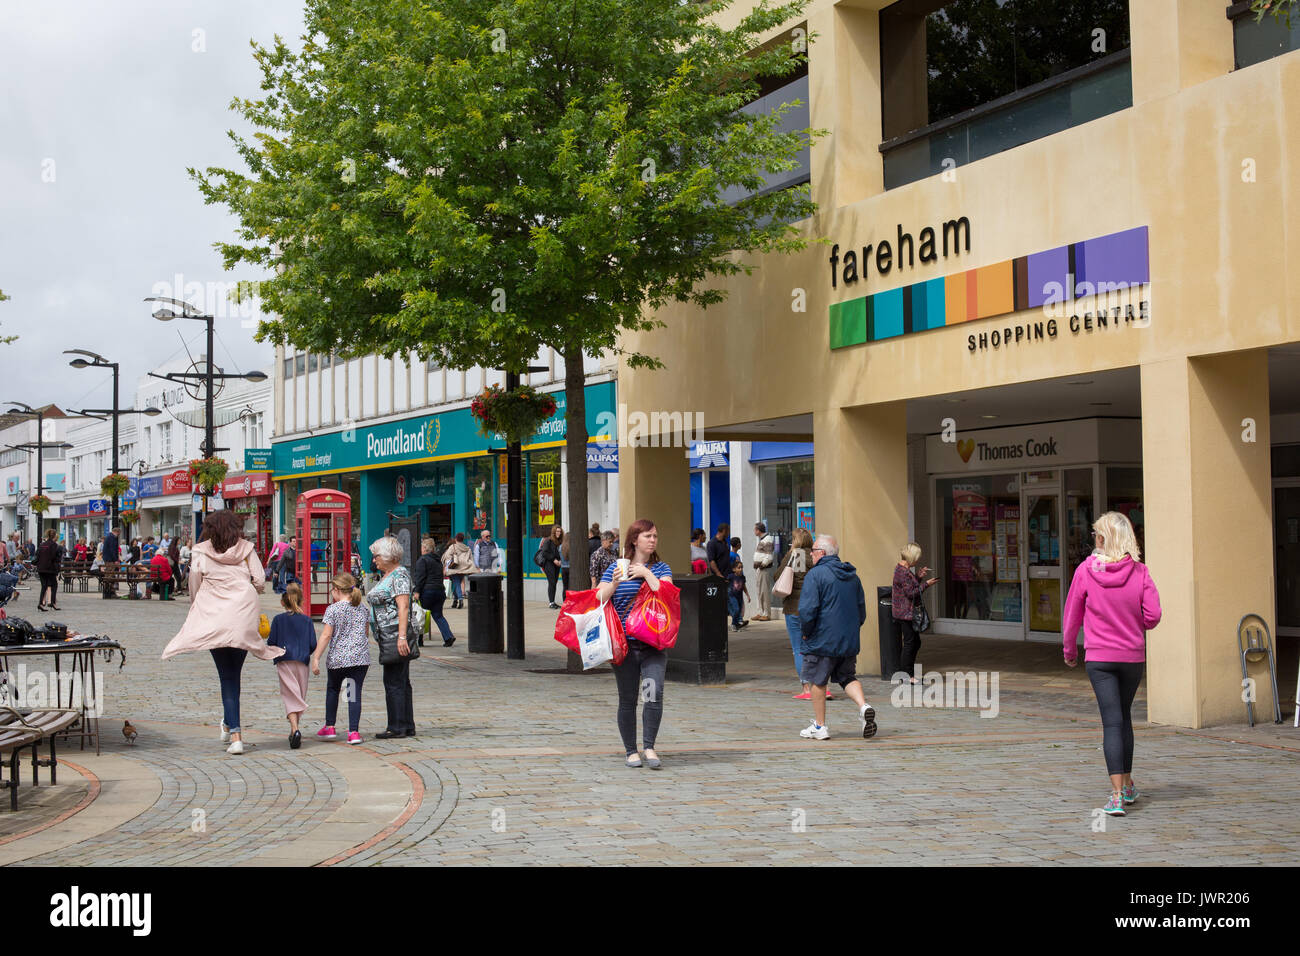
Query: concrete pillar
{"points": [[1207, 494], [844, 94], [654, 483], [860, 478], [1177, 44]]}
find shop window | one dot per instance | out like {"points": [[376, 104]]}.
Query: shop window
{"points": [[1124, 494], [1079, 517], [786, 492], [545, 495], [979, 561], [1254, 42], [482, 495], [965, 79]]}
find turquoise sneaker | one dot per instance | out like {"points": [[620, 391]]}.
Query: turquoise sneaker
{"points": [[1130, 793], [1114, 806]]}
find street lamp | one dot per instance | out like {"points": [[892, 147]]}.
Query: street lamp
{"points": [[23, 409], [98, 361], [208, 448]]}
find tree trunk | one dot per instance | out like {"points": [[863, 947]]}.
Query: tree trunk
{"points": [[575, 382]]}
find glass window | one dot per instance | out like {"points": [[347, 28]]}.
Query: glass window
{"points": [[300, 363], [482, 493], [544, 494], [786, 492], [313, 362], [288, 512], [1124, 494], [288, 367], [979, 564], [1256, 42], [1079, 517]]}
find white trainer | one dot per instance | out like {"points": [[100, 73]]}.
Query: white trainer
{"points": [[225, 733], [815, 731], [868, 717], [236, 748]]}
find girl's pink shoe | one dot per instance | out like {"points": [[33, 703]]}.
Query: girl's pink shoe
{"points": [[354, 738], [327, 733], [804, 696]]}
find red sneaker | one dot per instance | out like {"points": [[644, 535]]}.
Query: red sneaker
{"points": [[804, 696]]}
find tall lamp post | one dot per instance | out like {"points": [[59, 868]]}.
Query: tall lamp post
{"points": [[208, 376], [515, 535], [98, 361], [22, 408]]}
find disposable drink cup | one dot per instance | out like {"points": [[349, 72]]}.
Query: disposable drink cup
{"points": [[623, 565]]}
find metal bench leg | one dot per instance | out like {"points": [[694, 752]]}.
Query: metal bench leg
{"points": [[54, 761], [13, 780]]}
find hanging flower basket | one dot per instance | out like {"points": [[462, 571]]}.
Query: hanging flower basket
{"points": [[129, 516], [516, 414], [208, 473], [40, 504], [115, 485]]}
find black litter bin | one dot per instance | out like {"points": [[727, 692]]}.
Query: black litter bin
{"points": [[700, 654], [487, 631], [891, 636]]}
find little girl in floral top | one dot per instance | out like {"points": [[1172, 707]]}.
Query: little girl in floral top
{"points": [[344, 638]]}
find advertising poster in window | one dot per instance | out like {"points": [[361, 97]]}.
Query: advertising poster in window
{"points": [[1007, 544], [804, 515], [972, 534], [546, 497]]}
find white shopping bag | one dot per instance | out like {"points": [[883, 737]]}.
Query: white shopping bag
{"points": [[596, 644]]}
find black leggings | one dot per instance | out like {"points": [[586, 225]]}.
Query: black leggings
{"points": [[335, 676], [552, 576], [911, 647], [1115, 683], [49, 582], [640, 677]]}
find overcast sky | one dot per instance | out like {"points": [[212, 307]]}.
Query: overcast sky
{"points": [[104, 107]]}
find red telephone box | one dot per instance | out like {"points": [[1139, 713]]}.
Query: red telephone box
{"points": [[324, 527]]}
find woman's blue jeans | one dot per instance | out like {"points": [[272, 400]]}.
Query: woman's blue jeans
{"points": [[795, 631], [455, 586], [229, 661]]}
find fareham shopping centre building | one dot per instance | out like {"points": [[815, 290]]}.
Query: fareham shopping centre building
{"points": [[1053, 279]]}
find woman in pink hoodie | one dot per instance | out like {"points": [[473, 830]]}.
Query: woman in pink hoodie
{"points": [[1113, 597], [225, 579]]}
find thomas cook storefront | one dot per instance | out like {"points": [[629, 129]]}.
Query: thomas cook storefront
{"points": [[436, 474]]}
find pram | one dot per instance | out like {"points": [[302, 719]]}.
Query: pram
{"points": [[8, 589]]}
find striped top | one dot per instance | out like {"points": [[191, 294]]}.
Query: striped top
{"points": [[626, 591]]}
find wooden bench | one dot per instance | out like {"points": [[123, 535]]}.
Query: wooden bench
{"points": [[130, 575], [20, 731], [75, 572]]}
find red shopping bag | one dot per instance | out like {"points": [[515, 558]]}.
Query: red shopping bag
{"points": [[584, 625], [656, 616]]}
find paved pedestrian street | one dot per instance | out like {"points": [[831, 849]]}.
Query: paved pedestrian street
{"points": [[517, 762]]}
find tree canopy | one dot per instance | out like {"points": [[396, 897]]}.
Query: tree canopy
{"points": [[471, 180]]}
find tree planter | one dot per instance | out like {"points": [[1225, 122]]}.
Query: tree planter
{"points": [[516, 414]]}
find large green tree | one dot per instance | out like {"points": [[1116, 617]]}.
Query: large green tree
{"points": [[472, 180]]}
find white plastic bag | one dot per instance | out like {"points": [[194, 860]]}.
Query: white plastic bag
{"points": [[596, 644]]}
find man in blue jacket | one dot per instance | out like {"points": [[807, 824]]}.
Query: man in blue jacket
{"points": [[832, 609], [112, 558]]}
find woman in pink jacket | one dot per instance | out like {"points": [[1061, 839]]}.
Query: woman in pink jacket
{"points": [[225, 578], [1113, 597]]}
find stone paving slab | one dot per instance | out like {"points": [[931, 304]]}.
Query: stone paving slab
{"points": [[516, 763]]}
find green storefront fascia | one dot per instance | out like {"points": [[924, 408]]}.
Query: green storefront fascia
{"points": [[441, 437], [450, 437]]}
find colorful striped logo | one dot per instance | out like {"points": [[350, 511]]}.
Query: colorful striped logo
{"points": [[1092, 267]]}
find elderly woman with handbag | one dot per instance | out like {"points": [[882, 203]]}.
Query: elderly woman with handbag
{"points": [[909, 614], [458, 562], [396, 631], [225, 614]]}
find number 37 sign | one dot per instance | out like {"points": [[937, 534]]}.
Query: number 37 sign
{"points": [[546, 498]]}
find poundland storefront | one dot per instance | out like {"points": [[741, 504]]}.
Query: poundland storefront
{"points": [[435, 474]]}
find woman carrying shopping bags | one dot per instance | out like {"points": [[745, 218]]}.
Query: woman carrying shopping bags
{"points": [[641, 675]]}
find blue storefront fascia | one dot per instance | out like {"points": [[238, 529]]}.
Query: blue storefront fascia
{"points": [[455, 438]]}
